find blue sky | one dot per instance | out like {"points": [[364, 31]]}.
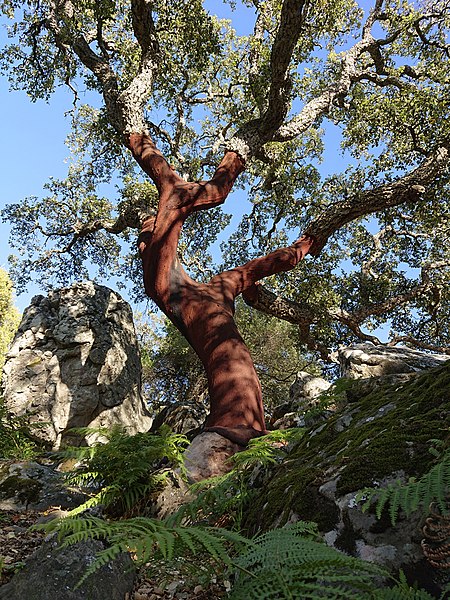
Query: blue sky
{"points": [[31, 149]]}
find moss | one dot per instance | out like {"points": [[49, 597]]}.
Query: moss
{"points": [[24, 489], [390, 432]]}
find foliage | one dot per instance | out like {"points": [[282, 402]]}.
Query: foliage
{"points": [[15, 439], [294, 562], [147, 539], [126, 469], [291, 562], [9, 315], [388, 112], [432, 487]]}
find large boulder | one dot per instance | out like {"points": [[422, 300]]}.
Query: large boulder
{"points": [[75, 363], [366, 360], [54, 572], [379, 436]]}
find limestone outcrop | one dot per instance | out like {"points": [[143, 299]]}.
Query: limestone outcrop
{"points": [[366, 360], [75, 363]]}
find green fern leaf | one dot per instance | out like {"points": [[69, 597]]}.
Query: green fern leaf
{"points": [[434, 486]]}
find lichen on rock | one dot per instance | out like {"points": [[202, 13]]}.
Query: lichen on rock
{"points": [[381, 435]]}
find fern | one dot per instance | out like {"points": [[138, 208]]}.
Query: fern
{"points": [[266, 449], [16, 435], [126, 469], [146, 539], [434, 487], [292, 563]]}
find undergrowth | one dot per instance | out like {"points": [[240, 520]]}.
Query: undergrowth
{"points": [[15, 438], [126, 470], [286, 563]]}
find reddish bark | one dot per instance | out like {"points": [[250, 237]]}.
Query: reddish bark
{"points": [[204, 312]]}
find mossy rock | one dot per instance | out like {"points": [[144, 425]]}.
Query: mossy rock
{"points": [[23, 489], [386, 432]]}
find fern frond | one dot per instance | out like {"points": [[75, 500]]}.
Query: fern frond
{"points": [[147, 538], [403, 591], [291, 563], [266, 449], [126, 468], [434, 486]]}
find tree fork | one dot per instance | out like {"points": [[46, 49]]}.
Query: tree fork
{"points": [[204, 312]]}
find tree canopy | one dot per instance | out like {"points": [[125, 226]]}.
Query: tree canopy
{"points": [[307, 77]]}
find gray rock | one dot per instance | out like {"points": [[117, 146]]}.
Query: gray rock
{"points": [[75, 363], [307, 388], [304, 395], [30, 485], [207, 456], [53, 573], [366, 360], [182, 417]]}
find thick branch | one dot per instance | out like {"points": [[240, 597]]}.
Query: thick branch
{"points": [[152, 161], [262, 299], [291, 22], [99, 66], [132, 100], [241, 278], [248, 141], [215, 191], [408, 188]]}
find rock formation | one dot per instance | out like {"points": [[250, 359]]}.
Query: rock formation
{"points": [[75, 363], [54, 572], [381, 434], [366, 360], [304, 395]]}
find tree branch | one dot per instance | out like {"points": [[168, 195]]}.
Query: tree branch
{"points": [[247, 142], [152, 162], [244, 277], [408, 188]]}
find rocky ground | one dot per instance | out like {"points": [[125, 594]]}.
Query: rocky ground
{"points": [[18, 540]]}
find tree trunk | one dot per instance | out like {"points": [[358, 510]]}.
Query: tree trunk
{"points": [[204, 312]]}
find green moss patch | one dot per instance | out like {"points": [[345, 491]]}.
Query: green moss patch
{"points": [[24, 489], [387, 431]]}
